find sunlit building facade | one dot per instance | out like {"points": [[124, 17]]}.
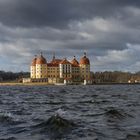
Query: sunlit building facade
{"points": [[60, 70]]}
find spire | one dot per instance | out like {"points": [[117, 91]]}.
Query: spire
{"points": [[41, 53], [53, 55], [85, 53], [74, 56]]}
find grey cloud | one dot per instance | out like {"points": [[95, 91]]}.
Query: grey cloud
{"points": [[70, 27], [57, 13]]}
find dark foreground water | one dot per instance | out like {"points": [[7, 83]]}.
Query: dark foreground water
{"points": [[98, 112]]}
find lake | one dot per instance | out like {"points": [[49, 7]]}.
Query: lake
{"points": [[96, 112]]}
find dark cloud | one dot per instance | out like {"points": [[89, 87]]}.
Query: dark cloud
{"points": [[57, 13], [108, 30]]}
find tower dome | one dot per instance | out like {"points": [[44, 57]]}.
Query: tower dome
{"points": [[34, 61], [84, 60], [41, 60], [75, 62]]}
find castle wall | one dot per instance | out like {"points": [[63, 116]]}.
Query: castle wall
{"points": [[33, 71], [85, 71], [41, 71], [53, 72]]}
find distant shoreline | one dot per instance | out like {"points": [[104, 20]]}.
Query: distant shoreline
{"points": [[23, 84], [46, 84]]}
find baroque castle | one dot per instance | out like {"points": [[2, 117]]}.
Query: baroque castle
{"points": [[60, 70]]}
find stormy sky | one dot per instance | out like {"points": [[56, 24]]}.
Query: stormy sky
{"points": [[108, 30]]}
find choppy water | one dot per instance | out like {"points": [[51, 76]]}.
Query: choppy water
{"points": [[98, 112]]}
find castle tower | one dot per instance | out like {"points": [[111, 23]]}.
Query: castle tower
{"points": [[33, 68], [65, 69], [84, 67], [75, 69], [41, 67]]}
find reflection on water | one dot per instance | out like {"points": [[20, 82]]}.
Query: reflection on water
{"points": [[98, 112]]}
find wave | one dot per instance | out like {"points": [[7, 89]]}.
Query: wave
{"points": [[55, 126], [113, 114], [10, 138], [7, 118], [133, 137]]}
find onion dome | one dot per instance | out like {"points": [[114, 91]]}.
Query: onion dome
{"points": [[41, 60], [74, 62], [34, 62], [65, 61], [84, 60]]}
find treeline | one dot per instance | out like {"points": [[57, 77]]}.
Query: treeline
{"points": [[13, 76], [116, 77], [99, 77]]}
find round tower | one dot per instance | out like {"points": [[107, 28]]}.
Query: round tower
{"points": [[84, 67], [33, 68], [41, 67]]}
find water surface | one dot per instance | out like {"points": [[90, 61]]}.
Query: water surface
{"points": [[97, 112]]}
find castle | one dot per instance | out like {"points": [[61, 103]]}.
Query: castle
{"points": [[60, 70]]}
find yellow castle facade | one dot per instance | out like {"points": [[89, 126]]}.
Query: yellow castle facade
{"points": [[60, 70]]}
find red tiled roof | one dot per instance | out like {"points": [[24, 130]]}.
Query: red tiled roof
{"points": [[65, 61], [75, 65], [56, 61], [52, 65], [85, 61], [74, 62], [41, 60], [33, 62]]}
